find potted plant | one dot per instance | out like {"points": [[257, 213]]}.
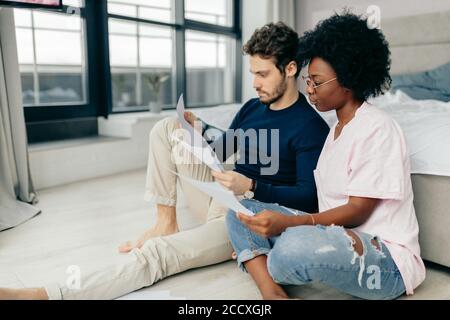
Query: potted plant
{"points": [[154, 82]]}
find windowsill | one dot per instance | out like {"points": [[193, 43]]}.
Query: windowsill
{"points": [[141, 116], [116, 128], [70, 143]]}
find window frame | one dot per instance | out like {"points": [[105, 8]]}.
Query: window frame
{"points": [[95, 18]]}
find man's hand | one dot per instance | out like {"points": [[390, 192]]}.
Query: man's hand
{"points": [[233, 181], [190, 117], [266, 223], [193, 120]]}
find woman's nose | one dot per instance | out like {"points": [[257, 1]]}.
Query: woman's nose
{"points": [[310, 90]]}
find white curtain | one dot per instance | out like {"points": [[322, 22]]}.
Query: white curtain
{"points": [[282, 10], [17, 194]]}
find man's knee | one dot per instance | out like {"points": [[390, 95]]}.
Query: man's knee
{"points": [[164, 127]]}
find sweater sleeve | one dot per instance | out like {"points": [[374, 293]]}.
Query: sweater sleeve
{"points": [[224, 143], [302, 195]]}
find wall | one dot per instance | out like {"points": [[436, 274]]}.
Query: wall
{"points": [[254, 15], [311, 11]]}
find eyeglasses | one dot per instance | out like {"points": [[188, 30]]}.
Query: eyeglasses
{"points": [[310, 83]]}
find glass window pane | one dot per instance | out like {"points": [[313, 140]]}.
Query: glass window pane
{"points": [[158, 85], [159, 10], [148, 30], [51, 57], [58, 47], [118, 27], [151, 38], [22, 18], [56, 21], [25, 47], [27, 88], [60, 87], [218, 12], [141, 58], [123, 50], [123, 89], [74, 3], [209, 68]]}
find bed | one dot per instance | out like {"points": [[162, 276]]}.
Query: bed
{"points": [[420, 43]]}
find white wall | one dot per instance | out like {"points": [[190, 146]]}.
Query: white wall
{"points": [[309, 12], [254, 15]]}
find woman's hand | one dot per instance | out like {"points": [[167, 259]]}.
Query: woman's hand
{"points": [[267, 223]]}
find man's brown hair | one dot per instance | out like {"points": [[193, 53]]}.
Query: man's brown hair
{"points": [[277, 41]]}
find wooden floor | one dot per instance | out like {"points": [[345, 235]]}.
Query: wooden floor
{"points": [[83, 223]]}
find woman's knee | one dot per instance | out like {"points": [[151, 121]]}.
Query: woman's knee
{"points": [[235, 228], [232, 220], [287, 261]]}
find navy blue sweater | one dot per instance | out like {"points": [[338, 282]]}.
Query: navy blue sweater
{"points": [[302, 133]]}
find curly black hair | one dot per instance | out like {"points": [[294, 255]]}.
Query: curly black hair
{"points": [[360, 56], [274, 40]]}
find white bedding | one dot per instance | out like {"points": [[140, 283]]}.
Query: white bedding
{"points": [[426, 124]]}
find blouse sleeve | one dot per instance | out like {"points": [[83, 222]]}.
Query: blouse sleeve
{"points": [[378, 165]]}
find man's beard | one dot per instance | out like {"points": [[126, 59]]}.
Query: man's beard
{"points": [[279, 92]]}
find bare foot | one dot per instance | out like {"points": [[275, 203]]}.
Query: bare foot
{"points": [[23, 294], [156, 231]]}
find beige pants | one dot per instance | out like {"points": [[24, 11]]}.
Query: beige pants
{"points": [[163, 256]]}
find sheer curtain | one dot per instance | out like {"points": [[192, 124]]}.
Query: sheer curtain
{"points": [[282, 10], [17, 194]]}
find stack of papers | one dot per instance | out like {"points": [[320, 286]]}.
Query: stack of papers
{"points": [[202, 151]]}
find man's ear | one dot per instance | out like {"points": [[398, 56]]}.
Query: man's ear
{"points": [[291, 69]]}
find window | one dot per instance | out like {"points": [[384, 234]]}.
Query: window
{"points": [[96, 57], [152, 10], [51, 56], [148, 58], [141, 58], [218, 12], [210, 68]]}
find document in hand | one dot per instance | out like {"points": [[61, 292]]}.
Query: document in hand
{"points": [[219, 193], [197, 144]]}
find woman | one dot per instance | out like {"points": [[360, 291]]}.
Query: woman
{"points": [[364, 240]]}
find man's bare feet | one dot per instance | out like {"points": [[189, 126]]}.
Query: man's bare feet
{"points": [[166, 224], [157, 231], [23, 294]]}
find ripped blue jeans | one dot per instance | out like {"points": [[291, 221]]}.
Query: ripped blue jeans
{"points": [[304, 254]]}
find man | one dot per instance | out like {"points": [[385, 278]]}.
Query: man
{"points": [[163, 250]]}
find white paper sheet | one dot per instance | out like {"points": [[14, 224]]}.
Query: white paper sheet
{"points": [[219, 193], [197, 145], [205, 155]]}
